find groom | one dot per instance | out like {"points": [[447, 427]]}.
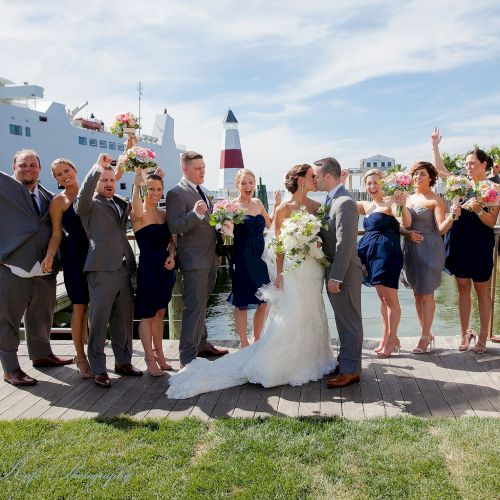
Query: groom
{"points": [[345, 275]]}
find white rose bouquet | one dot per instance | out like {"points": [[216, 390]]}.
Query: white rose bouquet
{"points": [[299, 238]]}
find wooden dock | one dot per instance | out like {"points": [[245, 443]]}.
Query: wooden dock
{"points": [[445, 383]]}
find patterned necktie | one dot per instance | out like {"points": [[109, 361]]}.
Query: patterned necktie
{"points": [[35, 204], [328, 201]]}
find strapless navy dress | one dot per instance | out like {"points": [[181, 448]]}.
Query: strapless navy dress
{"points": [[74, 249], [469, 248], [248, 270], [380, 250], [154, 281]]}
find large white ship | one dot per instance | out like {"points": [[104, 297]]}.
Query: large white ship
{"points": [[53, 131]]}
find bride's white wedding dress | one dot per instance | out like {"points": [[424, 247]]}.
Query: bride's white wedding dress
{"points": [[294, 349]]}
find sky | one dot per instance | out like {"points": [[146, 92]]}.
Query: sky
{"points": [[305, 79]]}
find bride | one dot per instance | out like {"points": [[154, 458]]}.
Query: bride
{"points": [[296, 346]]}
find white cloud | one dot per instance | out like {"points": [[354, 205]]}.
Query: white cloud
{"points": [[277, 64]]}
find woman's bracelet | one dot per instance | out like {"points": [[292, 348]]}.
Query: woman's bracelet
{"points": [[481, 212]]}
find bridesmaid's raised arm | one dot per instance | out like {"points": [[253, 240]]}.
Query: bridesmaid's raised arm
{"points": [[437, 160]]}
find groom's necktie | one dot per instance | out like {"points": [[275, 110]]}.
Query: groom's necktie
{"points": [[328, 200]]}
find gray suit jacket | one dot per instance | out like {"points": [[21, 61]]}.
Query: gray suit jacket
{"points": [[24, 236], [107, 234], [339, 241], [196, 238]]}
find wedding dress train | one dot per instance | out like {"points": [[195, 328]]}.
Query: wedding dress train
{"points": [[294, 349]]}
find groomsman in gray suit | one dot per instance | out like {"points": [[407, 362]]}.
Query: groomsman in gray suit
{"points": [[25, 231], [188, 210], [345, 275], [109, 266]]}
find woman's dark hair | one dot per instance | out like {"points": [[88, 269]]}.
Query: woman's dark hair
{"points": [[292, 176], [155, 177], [425, 165], [482, 156]]}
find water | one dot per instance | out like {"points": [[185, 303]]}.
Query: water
{"points": [[220, 321]]}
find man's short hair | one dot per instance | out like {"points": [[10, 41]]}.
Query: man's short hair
{"points": [[188, 156], [329, 165], [24, 152]]}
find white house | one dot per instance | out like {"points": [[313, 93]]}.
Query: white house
{"points": [[378, 161]]}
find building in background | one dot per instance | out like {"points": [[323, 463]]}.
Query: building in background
{"points": [[378, 161]]}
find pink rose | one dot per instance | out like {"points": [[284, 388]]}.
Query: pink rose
{"points": [[490, 196]]}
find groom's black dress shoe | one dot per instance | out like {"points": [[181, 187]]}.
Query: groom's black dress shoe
{"points": [[211, 350]]}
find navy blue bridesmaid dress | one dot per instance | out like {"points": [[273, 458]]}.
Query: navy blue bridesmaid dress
{"points": [[74, 249], [380, 250], [247, 269], [154, 281], [469, 248]]}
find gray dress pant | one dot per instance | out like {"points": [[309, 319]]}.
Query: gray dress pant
{"points": [[347, 309], [197, 284], [111, 302], [33, 297]]}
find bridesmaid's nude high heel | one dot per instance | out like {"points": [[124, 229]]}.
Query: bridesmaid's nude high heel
{"points": [[390, 346], [466, 340], [153, 369], [160, 359], [429, 345], [480, 347], [83, 367]]}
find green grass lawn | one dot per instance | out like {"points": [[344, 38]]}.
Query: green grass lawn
{"points": [[273, 458]]}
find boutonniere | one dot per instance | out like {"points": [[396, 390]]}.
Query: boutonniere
{"points": [[323, 213], [210, 198]]}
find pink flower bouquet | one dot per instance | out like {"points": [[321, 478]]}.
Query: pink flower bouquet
{"points": [[139, 158], [456, 189], [395, 184], [487, 194], [125, 123], [224, 216]]}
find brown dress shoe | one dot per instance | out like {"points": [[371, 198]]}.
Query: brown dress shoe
{"points": [[52, 360], [128, 369], [18, 377], [102, 380], [211, 350], [343, 380]]}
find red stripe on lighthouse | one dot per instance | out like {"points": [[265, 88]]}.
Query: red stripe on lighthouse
{"points": [[231, 158]]}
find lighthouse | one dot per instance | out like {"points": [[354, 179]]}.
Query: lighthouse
{"points": [[231, 159]]}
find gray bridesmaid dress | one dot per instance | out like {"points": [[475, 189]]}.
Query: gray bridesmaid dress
{"points": [[423, 262]]}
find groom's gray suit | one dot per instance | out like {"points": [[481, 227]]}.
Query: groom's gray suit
{"points": [[109, 265], [24, 237], [197, 262], [339, 244]]}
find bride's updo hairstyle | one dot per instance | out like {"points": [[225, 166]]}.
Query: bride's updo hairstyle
{"points": [[292, 176]]}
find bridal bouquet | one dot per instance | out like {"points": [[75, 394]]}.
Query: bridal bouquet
{"points": [[299, 239], [396, 183], [125, 123], [486, 193], [456, 189], [224, 216], [138, 158]]}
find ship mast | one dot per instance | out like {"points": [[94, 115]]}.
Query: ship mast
{"points": [[139, 92]]}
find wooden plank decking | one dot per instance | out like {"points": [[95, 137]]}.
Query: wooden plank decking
{"points": [[446, 383]]}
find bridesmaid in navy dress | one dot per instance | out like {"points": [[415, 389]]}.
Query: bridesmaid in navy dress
{"points": [[74, 246], [469, 249], [380, 252], [155, 274], [248, 270]]}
